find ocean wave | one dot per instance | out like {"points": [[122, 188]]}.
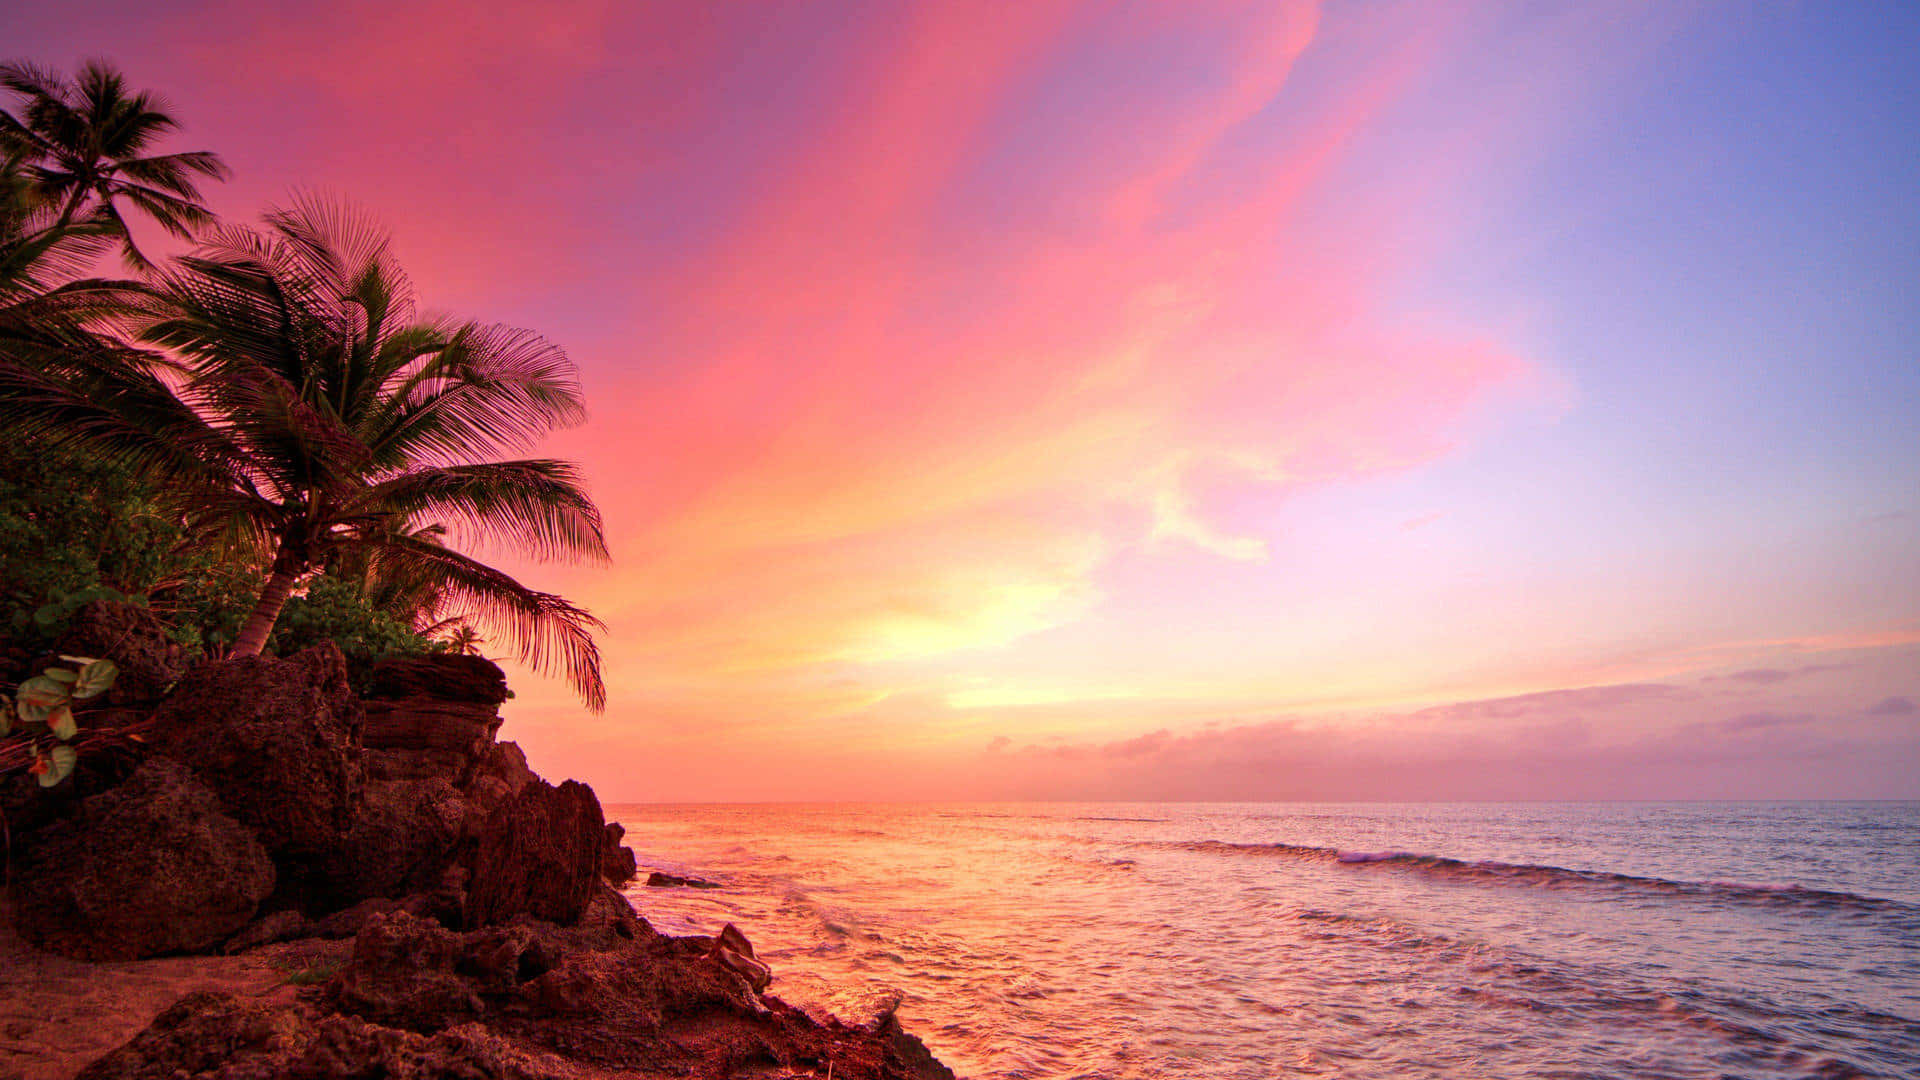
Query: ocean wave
{"points": [[1491, 871], [1301, 851]]}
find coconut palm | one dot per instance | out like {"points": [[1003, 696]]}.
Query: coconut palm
{"points": [[85, 143], [45, 301], [464, 640], [315, 417]]}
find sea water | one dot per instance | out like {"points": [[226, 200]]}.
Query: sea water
{"points": [[1353, 940]]}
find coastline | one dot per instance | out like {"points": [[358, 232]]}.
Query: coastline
{"points": [[58, 1014], [298, 873]]}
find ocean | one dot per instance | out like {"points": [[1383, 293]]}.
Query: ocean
{"points": [[1147, 940]]}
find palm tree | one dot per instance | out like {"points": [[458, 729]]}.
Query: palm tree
{"points": [[45, 301], [313, 417], [85, 144], [464, 640]]}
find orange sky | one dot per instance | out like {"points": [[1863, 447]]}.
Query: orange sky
{"points": [[1061, 399]]}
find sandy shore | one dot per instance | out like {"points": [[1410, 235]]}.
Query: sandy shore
{"points": [[56, 1014]]}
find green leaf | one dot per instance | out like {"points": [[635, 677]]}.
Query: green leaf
{"points": [[60, 674], [62, 759], [43, 693], [30, 713], [95, 678], [60, 720]]}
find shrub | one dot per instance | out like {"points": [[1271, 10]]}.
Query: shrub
{"points": [[43, 708]]}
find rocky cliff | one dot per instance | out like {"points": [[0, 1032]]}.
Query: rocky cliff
{"points": [[265, 801]]}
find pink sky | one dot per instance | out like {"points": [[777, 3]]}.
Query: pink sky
{"points": [[1070, 400]]}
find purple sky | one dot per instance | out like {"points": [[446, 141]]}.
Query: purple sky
{"points": [[1167, 400]]}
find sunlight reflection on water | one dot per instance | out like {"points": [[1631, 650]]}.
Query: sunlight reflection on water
{"points": [[1148, 940]]}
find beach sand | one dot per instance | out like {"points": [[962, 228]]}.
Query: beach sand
{"points": [[57, 1015]]}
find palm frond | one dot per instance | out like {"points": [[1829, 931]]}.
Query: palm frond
{"points": [[174, 172], [546, 633], [103, 401], [487, 390], [537, 505]]}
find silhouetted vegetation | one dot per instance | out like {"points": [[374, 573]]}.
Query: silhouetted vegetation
{"points": [[261, 438]]}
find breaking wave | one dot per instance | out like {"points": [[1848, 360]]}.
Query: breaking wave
{"points": [[1489, 871]]}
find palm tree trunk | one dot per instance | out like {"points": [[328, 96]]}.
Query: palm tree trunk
{"points": [[273, 597], [72, 207]]}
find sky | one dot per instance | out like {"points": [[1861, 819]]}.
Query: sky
{"points": [[1165, 400]]}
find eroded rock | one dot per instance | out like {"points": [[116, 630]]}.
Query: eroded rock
{"points": [[537, 854], [402, 840], [151, 867], [208, 1035], [617, 863], [267, 929], [439, 676], [661, 880], [279, 742], [149, 661]]}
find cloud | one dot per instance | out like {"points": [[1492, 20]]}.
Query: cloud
{"points": [[938, 352], [1774, 676], [1750, 756], [1557, 702], [1755, 721], [1894, 706], [988, 326]]}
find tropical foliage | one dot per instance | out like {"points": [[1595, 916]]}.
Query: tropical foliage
{"points": [[86, 145], [42, 707], [332, 609], [269, 415], [75, 529]]}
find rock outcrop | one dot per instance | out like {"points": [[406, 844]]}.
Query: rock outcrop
{"points": [[501, 771], [267, 804], [275, 752], [538, 853], [404, 838], [617, 863], [662, 880], [212, 1034], [151, 867], [431, 717], [150, 662], [439, 678], [526, 1000], [279, 742]]}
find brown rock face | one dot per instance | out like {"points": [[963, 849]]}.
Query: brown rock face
{"points": [[420, 738], [431, 716], [217, 1035], [151, 867], [402, 840], [279, 742], [640, 1001], [537, 853], [441, 677], [524, 1001], [617, 864], [501, 772], [134, 640], [507, 763]]}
